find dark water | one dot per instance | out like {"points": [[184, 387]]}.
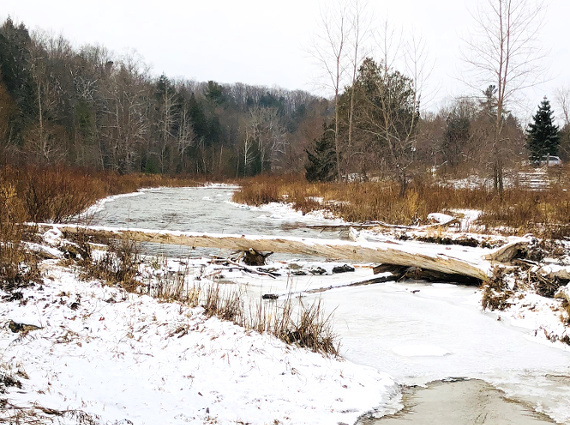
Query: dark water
{"points": [[464, 402]]}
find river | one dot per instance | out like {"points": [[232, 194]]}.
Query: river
{"points": [[419, 333]]}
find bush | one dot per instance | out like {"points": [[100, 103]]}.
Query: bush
{"points": [[119, 265], [17, 267]]}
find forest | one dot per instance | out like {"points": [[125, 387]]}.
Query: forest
{"points": [[86, 107]]}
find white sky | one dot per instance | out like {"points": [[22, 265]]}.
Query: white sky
{"points": [[265, 42]]}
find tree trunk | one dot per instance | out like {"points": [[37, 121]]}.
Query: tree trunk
{"points": [[423, 256]]}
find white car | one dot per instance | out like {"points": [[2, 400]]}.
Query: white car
{"points": [[550, 160]]}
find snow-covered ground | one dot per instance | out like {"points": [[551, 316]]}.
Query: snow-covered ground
{"points": [[120, 357]]}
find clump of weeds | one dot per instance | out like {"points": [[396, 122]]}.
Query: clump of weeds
{"points": [[496, 291], [118, 265]]}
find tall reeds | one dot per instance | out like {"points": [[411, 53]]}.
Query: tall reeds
{"points": [[518, 211]]}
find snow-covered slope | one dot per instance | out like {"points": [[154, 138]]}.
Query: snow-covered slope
{"points": [[120, 357]]}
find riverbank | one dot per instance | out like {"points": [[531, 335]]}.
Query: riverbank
{"points": [[76, 351], [417, 332]]}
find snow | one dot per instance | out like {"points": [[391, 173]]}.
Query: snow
{"points": [[440, 218], [419, 350], [285, 212], [121, 356], [414, 331]]}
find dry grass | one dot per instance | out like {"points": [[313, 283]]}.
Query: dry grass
{"points": [[43, 194], [565, 317], [57, 193], [363, 201], [291, 320], [224, 303], [518, 211], [118, 265], [294, 322], [18, 268], [496, 293]]}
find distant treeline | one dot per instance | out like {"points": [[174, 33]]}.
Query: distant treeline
{"points": [[85, 107], [89, 108]]}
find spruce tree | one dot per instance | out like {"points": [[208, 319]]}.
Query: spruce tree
{"points": [[543, 138], [321, 159]]}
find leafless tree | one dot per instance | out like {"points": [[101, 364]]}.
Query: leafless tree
{"points": [[127, 120], [340, 48], [394, 108], [186, 136], [503, 51], [331, 52], [264, 127], [360, 20], [44, 139], [167, 106], [563, 99]]}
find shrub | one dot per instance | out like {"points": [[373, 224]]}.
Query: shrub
{"points": [[17, 267], [119, 265], [496, 292], [518, 211]]}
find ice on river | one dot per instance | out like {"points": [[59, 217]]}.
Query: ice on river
{"points": [[415, 332]]}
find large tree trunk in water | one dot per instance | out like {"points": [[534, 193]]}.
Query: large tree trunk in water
{"points": [[425, 256]]}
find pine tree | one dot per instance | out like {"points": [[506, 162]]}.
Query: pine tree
{"points": [[321, 159], [543, 138]]}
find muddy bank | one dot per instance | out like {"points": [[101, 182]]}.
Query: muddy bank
{"points": [[462, 402]]}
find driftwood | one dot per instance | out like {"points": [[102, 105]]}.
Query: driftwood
{"points": [[417, 273], [252, 257], [507, 252], [379, 279], [362, 251]]}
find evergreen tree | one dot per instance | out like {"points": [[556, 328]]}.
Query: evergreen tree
{"points": [[455, 136], [543, 138], [321, 159], [15, 65]]}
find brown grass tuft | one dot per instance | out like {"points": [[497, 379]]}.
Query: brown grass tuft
{"points": [[294, 322], [119, 265], [496, 293], [18, 268]]}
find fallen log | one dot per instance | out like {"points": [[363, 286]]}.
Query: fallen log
{"points": [[423, 256], [507, 252], [417, 273], [379, 279]]}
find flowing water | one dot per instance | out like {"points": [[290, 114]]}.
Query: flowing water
{"points": [[418, 333]]}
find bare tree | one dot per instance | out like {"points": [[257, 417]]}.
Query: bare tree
{"points": [[330, 51], [503, 51], [393, 112], [563, 99], [340, 49], [127, 122], [360, 20], [44, 140], [166, 121], [186, 136], [264, 127]]}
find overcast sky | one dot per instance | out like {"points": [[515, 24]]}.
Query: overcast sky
{"points": [[265, 42]]}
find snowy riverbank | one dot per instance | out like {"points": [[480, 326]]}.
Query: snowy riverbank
{"points": [[117, 357]]}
